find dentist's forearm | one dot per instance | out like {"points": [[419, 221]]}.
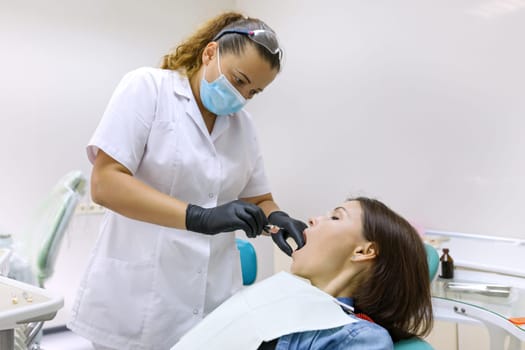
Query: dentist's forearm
{"points": [[265, 202], [114, 187]]}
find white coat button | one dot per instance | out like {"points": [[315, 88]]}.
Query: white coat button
{"points": [[199, 271], [195, 311], [210, 195]]}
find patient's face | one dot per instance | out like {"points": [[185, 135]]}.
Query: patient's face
{"points": [[330, 243]]}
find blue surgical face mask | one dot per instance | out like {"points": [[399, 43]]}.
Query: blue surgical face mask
{"points": [[220, 96]]}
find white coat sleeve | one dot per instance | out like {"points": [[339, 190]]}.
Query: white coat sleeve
{"points": [[123, 131], [258, 183]]}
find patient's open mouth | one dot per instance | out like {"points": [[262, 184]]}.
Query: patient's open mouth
{"points": [[304, 239]]}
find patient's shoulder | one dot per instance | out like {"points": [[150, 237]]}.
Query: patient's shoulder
{"points": [[357, 335], [367, 334]]}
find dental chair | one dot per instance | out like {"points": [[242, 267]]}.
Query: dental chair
{"points": [[248, 261], [45, 236], [418, 343]]}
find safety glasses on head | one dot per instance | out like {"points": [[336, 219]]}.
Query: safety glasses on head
{"points": [[263, 37]]}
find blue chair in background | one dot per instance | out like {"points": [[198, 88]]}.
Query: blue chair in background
{"points": [[248, 261]]}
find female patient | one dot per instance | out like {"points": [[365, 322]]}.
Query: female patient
{"points": [[367, 256]]}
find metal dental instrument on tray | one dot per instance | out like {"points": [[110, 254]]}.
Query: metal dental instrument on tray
{"points": [[496, 290]]}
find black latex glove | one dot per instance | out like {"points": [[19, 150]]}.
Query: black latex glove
{"points": [[290, 227], [235, 215]]}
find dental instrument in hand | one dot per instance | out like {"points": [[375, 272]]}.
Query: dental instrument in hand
{"points": [[271, 229]]}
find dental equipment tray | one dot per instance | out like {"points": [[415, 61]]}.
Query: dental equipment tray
{"points": [[496, 290]]}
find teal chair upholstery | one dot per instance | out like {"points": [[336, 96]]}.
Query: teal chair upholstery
{"points": [[417, 343], [248, 261], [432, 260], [412, 344], [55, 216], [47, 231]]}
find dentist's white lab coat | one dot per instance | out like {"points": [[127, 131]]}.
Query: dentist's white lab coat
{"points": [[146, 285]]}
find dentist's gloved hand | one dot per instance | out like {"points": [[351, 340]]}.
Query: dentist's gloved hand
{"points": [[235, 215], [290, 227]]}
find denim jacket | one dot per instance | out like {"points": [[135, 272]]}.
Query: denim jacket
{"points": [[360, 335]]}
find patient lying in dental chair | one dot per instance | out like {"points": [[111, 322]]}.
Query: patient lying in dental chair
{"points": [[368, 286]]}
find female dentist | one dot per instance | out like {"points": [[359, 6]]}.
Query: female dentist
{"points": [[177, 163]]}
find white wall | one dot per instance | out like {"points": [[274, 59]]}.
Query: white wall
{"points": [[418, 103], [60, 61]]}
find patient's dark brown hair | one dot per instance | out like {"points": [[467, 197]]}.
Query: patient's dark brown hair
{"points": [[396, 293]]}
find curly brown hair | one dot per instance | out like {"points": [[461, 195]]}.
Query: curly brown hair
{"points": [[186, 57]]}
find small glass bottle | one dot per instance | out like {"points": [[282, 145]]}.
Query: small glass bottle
{"points": [[447, 265]]}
